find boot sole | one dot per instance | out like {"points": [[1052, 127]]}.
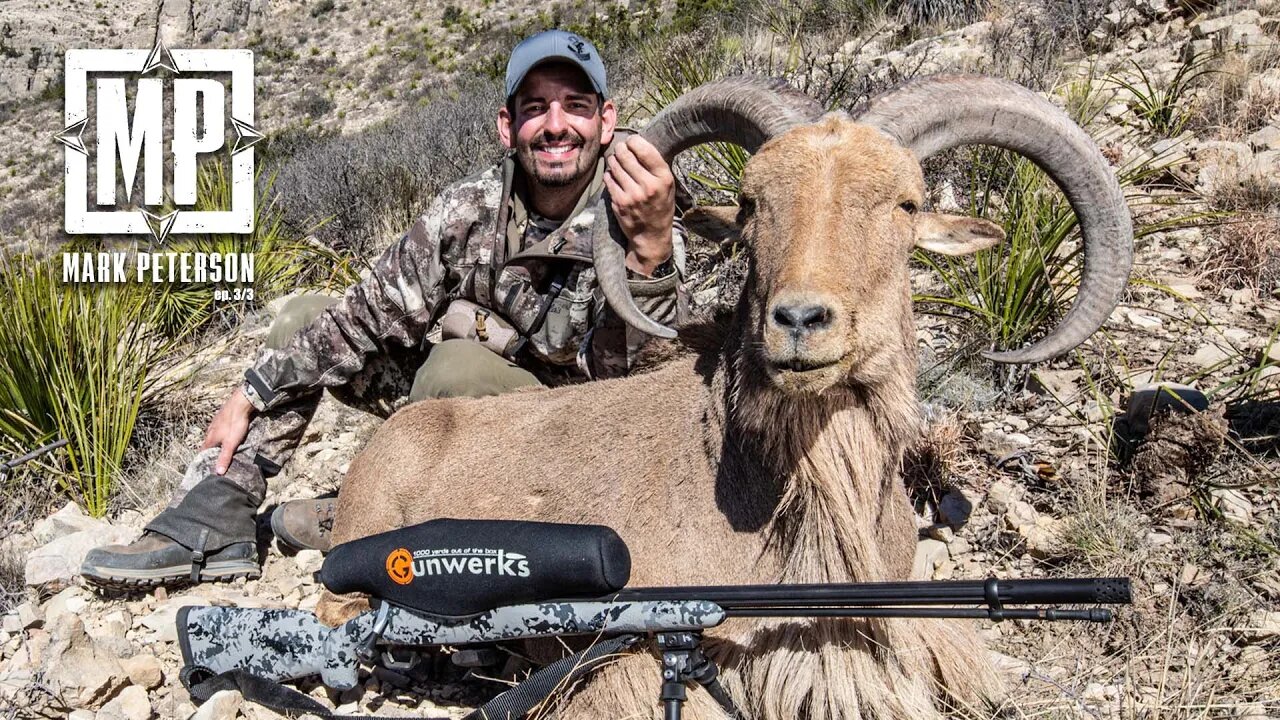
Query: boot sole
{"points": [[129, 580]]}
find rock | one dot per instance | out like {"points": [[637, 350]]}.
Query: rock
{"points": [[57, 564], [941, 533], [1061, 384], [1041, 532], [1002, 494], [1209, 356], [1268, 138], [70, 601], [77, 672], [930, 554], [1233, 504], [163, 620], [82, 715], [222, 706], [954, 509], [144, 670], [70, 519], [1262, 625], [1143, 321], [308, 561], [28, 615], [130, 704], [1223, 164], [1204, 28], [1264, 86]]}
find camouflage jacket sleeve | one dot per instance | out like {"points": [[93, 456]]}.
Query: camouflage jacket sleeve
{"points": [[395, 304], [614, 345]]}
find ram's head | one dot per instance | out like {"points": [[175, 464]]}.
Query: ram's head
{"points": [[831, 207]]}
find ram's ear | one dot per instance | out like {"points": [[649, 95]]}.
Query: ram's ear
{"points": [[955, 234], [713, 222]]}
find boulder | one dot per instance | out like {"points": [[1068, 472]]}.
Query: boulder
{"points": [[131, 704], [77, 672], [56, 564], [144, 670], [69, 519], [930, 555]]}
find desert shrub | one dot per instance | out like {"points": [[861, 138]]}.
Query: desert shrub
{"points": [[369, 187], [1028, 41], [74, 363], [1246, 253]]}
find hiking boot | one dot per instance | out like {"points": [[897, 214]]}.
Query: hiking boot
{"points": [[305, 524], [154, 560]]}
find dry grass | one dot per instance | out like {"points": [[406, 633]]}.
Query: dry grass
{"points": [[1246, 254]]}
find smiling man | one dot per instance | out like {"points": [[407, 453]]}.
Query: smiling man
{"points": [[491, 290]]}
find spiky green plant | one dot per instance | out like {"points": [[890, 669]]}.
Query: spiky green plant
{"points": [[74, 362], [1163, 109]]}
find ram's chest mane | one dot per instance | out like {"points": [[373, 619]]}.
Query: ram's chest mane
{"points": [[834, 463]]}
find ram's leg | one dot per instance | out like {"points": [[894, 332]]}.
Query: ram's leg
{"points": [[629, 688]]}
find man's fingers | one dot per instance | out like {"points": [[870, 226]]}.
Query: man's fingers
{"points": [[224, 458], [632, 167], [648, 155], [625, 182]]}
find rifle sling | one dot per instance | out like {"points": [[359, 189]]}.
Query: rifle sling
{"points": [[513, 703]]}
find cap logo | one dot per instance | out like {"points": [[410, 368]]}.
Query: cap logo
{"points": [[579, 48]]}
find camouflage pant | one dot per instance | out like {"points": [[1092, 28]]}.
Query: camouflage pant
{"points": [[453, 368]]}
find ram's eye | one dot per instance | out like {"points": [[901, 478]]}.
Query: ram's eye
{"points": [[909, 206], [746, 207]]}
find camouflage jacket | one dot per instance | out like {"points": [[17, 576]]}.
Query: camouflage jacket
{"points": [[452, 252]]}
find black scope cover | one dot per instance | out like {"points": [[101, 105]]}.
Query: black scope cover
{"points": [[464, 567]]}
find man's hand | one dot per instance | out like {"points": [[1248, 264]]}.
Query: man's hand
{"points": [[643, 193], [228, 429]]}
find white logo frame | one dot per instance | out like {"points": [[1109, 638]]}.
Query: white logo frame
{"points": [[79, 220]]}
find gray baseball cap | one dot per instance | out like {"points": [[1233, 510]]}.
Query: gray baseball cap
{"points": [[555, 45]]}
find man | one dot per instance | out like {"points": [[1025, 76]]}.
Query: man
{"points": [[499, 265]]}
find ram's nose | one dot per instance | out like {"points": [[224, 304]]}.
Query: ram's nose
{"points": [[801, 318]]}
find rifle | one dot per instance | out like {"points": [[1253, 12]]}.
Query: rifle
{"points": [[282, 645]]}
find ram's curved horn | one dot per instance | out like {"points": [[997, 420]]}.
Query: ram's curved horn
{"points": [[936, 114], [745, 111]]}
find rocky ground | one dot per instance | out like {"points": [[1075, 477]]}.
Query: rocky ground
{"points": [[1069, 471]]}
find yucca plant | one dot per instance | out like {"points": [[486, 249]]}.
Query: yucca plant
{"points": [[1163, 109], [74, 363]]}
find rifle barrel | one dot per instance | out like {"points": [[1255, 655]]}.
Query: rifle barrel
{"points": [[11, 464], [992, 592]]}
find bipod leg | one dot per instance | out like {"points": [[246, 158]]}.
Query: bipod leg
{"points": [[683, 661]]}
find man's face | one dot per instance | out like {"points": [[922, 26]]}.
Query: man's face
{"points": [[559, 125]]}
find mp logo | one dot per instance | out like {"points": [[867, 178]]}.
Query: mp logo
{"points": [[124, 139]]}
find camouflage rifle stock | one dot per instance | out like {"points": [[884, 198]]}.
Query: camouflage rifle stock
{"points": [[286, 645]]}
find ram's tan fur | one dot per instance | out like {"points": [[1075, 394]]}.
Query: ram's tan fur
{"points": [[723, 465]]}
